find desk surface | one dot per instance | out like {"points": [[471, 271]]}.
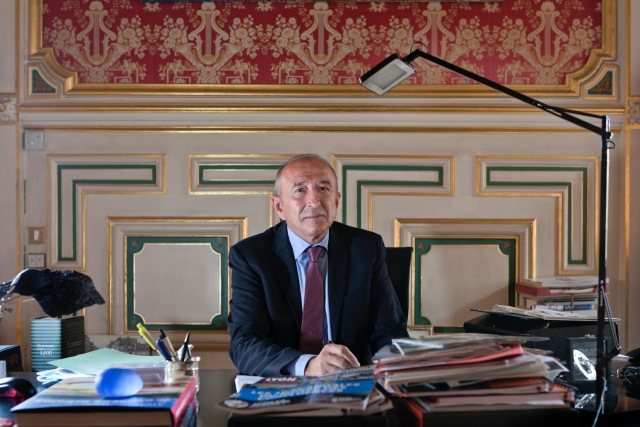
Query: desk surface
{"points": [[217, 384]]}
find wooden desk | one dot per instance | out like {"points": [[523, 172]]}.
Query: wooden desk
{"points": [[216, 385]]}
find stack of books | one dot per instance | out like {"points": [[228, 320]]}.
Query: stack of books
{"points": [[463, 372], [576, 294]]}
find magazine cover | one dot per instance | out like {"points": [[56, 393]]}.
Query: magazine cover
{"points": [[284, 394]]}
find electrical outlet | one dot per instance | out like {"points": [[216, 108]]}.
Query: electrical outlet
{"points": [[35, 261]]}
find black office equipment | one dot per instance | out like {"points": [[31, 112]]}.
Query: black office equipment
{"points": [[557, 331]]}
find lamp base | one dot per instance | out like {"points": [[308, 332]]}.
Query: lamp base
{"points": [[588, 402]]}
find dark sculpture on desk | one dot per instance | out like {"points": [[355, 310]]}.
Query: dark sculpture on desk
{"points": [[58, 292]]}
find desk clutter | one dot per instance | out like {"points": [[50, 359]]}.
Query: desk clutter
{"points": [[442, 373], [109, 387]]}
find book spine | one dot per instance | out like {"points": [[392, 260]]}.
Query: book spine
{"points": [[532, 291], [72, 336], [564, 307], [183, 403]]}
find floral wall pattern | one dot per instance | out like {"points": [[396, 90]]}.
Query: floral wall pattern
{"points": [[515, 42]]}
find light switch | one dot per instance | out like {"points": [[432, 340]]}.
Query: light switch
{"points": [[33, 140], [36, 235]]}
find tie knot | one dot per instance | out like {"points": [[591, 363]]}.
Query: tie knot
{"points": [[314, 252]]}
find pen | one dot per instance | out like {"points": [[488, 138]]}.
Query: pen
{"points": [[164, 339], [147, 337], [185, 348], [163, 350]]}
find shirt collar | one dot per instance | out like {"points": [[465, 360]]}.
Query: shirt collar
{"points": [[299, 245]]}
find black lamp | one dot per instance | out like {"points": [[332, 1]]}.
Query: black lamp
{"points": [[395, 69]]}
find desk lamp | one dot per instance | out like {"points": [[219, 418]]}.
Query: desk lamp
{"points": [[395, 69]]}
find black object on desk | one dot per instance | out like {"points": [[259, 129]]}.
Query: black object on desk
{"points": [[15, 387], [557, 331]]}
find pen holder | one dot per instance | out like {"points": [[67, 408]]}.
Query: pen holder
{"points": [[181, 372]]}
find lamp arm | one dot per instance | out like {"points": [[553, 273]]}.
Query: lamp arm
{"points": [[604, 130], [557, 111]]}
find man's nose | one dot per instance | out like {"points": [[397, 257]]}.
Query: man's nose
{"points": [[312, 198]]}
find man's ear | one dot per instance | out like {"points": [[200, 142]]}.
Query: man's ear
{"points": [[277, 205]]}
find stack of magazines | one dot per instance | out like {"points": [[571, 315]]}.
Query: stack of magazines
{"points": [[348, 392], [455, 372]]}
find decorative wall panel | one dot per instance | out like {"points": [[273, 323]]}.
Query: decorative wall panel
{"points": [[365, 177], [193, 299], [153, 224], [74, 177], [571, 181], [179, 264], [318, 47], [470, 244], [441, 295]]}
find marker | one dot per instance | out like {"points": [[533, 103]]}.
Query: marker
{"points": [[147, 337], [164, 339], [185, 348]]}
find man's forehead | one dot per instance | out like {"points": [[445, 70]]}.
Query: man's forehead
{"points": [[307, 181], [308, 173]]}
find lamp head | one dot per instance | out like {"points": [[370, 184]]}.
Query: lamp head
{"points": [[386, 75]]}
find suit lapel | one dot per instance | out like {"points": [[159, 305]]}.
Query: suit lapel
{"points": [[338, 276], [287, 272]]}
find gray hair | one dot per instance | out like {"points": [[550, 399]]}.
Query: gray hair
{"points": [[276, 188]]}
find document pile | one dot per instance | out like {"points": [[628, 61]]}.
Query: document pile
{"points": [[348, 392], [560, 294], [457, 372]]}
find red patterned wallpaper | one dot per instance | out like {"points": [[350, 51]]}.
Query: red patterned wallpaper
{"points": [[515, 42]]}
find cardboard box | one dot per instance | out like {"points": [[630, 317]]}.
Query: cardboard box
{"points": [[55, 338]]}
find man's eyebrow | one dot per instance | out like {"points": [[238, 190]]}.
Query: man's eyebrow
{"points": [[298, 183]]}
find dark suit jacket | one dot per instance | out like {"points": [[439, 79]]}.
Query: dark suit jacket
{"points": [[266, 304]]}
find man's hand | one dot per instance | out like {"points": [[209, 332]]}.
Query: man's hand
{"points": [[333, 357]]}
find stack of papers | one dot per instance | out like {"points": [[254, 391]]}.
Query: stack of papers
{"points": [[461, 371]]}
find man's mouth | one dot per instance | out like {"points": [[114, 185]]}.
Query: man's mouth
{"points": [[313, 216]]}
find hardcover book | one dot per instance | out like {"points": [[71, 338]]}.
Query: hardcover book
{"points": [[55, 338], [75, 402], [12, 356], [563, 281], [542, 291]]}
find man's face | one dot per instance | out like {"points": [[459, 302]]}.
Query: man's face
{"points": [[308, 198]]}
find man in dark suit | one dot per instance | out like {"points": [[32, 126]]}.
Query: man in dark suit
{"points": [[361, 310]]}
